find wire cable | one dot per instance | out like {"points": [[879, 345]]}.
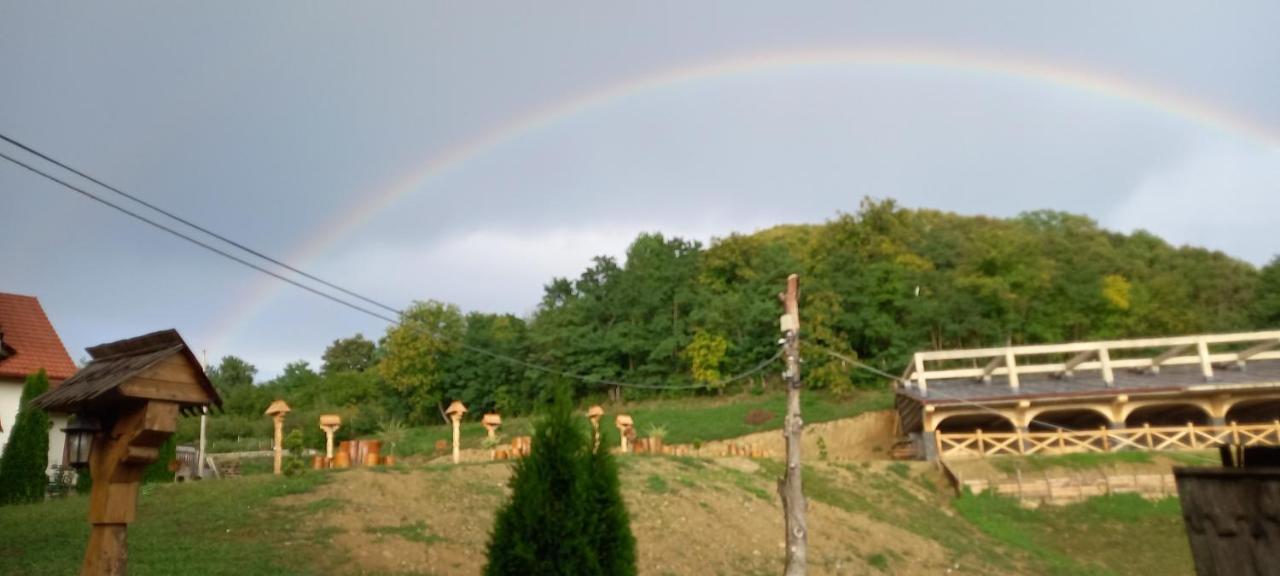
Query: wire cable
{"points": [[196, 226], [394, 321]]}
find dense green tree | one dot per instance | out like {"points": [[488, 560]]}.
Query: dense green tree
{"points": [[415, 356], [1267, 306], [484, 381], [25, 462], [232, 373], [354, 354], [877, 284]]}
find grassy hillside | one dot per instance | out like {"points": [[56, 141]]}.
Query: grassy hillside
{"points": [[691, 516], [686, 420]]}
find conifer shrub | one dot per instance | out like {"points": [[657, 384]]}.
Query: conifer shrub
{"points": [[613, 541], [25, 461], [295, 463], [566, 515]]}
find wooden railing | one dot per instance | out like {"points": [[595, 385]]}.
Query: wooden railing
{"points": [[981, 444], [1064, 360]]}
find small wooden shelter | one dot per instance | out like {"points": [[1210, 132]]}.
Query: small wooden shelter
{"points": [[134, 389]]}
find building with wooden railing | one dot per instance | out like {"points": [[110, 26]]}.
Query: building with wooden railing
{"points": [[1183, 392]]}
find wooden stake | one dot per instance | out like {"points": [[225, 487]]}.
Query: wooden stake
{"points": [[789, 486]]}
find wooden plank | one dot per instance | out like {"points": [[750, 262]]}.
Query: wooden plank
{"points": [[1091, 365], [1114, 344], [169, 391]]}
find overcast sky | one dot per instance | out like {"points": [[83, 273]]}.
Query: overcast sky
{"points": [[565, 129]]}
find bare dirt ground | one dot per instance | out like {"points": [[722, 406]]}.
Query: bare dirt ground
{"points": [[689, 515], [864, 437]]}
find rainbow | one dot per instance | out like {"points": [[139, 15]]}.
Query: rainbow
{"points": [[1049, 74]]}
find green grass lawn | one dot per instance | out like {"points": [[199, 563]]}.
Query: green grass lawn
{"points": [[1093, 460], [218, 528], [1106, 535]]}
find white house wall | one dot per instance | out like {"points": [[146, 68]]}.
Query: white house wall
{"points": [[10, 398]]}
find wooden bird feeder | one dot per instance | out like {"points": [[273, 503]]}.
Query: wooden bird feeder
{"points": [[625, 426], [330, 423], [455, 412], [277, 411], [491, 423], [126, 401]]}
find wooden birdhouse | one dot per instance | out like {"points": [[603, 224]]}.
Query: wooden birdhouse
{"points": [[491, 423], [127, 401], [625, 426], [330, 424], [277, 411]]}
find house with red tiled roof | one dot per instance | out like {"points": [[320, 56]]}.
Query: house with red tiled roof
{"points": [[28, 343]]}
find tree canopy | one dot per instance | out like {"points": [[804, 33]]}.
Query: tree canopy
{"points": [[878, 284]]}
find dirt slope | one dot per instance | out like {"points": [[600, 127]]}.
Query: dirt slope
{"points": [[690, 516]]}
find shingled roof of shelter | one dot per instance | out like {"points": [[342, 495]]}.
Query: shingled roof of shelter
{"points": [[116, 362], [29, 341]]}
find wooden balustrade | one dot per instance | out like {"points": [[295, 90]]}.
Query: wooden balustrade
{"points": [[1147, 438]]}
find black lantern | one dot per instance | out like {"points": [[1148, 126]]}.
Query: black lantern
{"points": [[80, 431]]}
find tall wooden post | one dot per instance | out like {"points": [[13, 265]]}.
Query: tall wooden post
{"points": [[594, 413], [276, 411], [455, 412], [789, 486]]}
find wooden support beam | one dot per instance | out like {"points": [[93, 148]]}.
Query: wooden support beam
{"points": [[1069, 368], [1012, 365], [991, 366], [1104, 360], [921, 383], [1254, 350], [1206, 365], [1154, 368]]}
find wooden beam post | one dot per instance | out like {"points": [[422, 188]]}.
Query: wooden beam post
{"points": [[278, 420], [120, 455], [789, 486]]}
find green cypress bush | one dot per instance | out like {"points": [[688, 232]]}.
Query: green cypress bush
{"points": [[613, 542], [25, 461], [547, 528]]}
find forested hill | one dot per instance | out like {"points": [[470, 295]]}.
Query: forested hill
{"points": [[880, 283]]}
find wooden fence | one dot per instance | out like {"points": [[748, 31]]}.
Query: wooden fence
{"points": [[1190, 437]]}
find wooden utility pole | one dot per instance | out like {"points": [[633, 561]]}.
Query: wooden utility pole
{"points": [[789, 486]]}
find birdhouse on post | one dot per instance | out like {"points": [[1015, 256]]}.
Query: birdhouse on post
{"points": [[276, 411], [125, 403], [625, 427], [594, 414], [330, 424], [491, 423], [455, 412]]}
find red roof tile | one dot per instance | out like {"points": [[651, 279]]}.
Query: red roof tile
{"points": [[30, 340]]}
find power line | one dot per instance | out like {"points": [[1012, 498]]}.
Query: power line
{"points": [[194, 225], [331, 297]]}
